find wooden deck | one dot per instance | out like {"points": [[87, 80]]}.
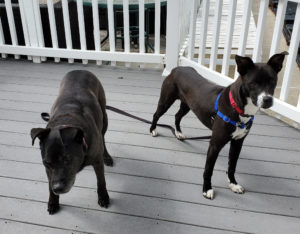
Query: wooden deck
{"points": [[155, 185]]}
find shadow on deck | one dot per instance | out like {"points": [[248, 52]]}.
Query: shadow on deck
{"points": [[155, 185]]}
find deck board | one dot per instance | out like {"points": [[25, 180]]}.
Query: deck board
{"points": [[155, 185]]}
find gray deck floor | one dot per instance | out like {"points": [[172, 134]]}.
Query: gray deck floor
{"points": [[155, 185]]}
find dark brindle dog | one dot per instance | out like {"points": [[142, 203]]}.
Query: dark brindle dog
{"points": [[74, 136], [227, 111]]}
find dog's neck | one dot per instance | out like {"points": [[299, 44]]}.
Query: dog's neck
{"points": [[250, 108], [243, 102], [62, 120]]}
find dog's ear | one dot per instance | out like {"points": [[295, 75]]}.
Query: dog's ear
{"points": [[70, 133], [244, 64], [276, 61], [45, 116], [80, 139], [39, 132]]}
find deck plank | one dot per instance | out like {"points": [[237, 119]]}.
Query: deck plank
{"points": [[19, 227], [181, 174], [251, 166], [142, 108], [192, 126], [153, 209], [91, 220], [171, 143], [155, 184]]}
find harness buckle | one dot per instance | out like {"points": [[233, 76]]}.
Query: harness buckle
{"points": [[226, 119]]}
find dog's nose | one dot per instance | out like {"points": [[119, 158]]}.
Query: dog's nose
{"points": [[267, 102], [58, 188]]}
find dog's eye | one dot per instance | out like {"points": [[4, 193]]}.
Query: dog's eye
{"points": [[47, 164], [252, 86]]}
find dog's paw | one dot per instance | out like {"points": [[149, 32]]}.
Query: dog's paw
{"points": [[179, 135], [154, 133], [53, 208], [108, 161], [209, 194], [103, 201], [236, 188]]}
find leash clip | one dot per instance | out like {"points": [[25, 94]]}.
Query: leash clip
{"points": [[241, 125]]}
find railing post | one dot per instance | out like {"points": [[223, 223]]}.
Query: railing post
{"points": [[280, 14], [172, 41], [2, 41], [192, 29], [229, 36], [244, 32], [290, 62], [261, 23], [216, 35], [203, 31], [30, 22]]}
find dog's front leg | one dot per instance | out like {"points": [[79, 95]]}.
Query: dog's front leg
{"points": [[234, 152], [103, 198], [217, 142], [53, 202]]}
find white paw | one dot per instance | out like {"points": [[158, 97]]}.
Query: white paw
{"points": [[209, 194], [154, 133], [236, 188], [179, 135]]}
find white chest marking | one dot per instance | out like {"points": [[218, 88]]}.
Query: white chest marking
{"points": [[250, 108], [239, 133]]}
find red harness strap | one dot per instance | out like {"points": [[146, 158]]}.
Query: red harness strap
{"points": [[234, 105]]}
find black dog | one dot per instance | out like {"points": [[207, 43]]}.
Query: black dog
{"points": [[227, 111], [74, 136]]}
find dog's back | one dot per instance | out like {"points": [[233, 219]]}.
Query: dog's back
{"points": [[80, 93], [187, 79]]}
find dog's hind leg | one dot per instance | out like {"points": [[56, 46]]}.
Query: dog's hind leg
{"points": [[108, 161], [234, 152], [163, 105], [184, 109], [168, 95]]}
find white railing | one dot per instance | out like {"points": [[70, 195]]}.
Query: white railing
{"points": [[185, 8], [178, 14], [194, 35], [280, 104], [34, 38]]}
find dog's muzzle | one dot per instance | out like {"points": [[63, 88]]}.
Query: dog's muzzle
{"points": [[267, 102], [264, 100], [61, 187]]}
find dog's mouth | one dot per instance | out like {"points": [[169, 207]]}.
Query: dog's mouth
{"points": [[61, 187], [268, 104]]}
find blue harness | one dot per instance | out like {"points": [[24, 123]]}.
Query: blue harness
{"points": [[228, 120]]}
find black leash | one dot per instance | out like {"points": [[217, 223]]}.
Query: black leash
{"points": [[121, 112]]}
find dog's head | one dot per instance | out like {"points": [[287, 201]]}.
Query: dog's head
{"points": [[259, 80], [63, 152]]}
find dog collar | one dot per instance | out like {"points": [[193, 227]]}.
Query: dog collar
{"points": [[228, 120], [84, 143], [235, 106]]}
